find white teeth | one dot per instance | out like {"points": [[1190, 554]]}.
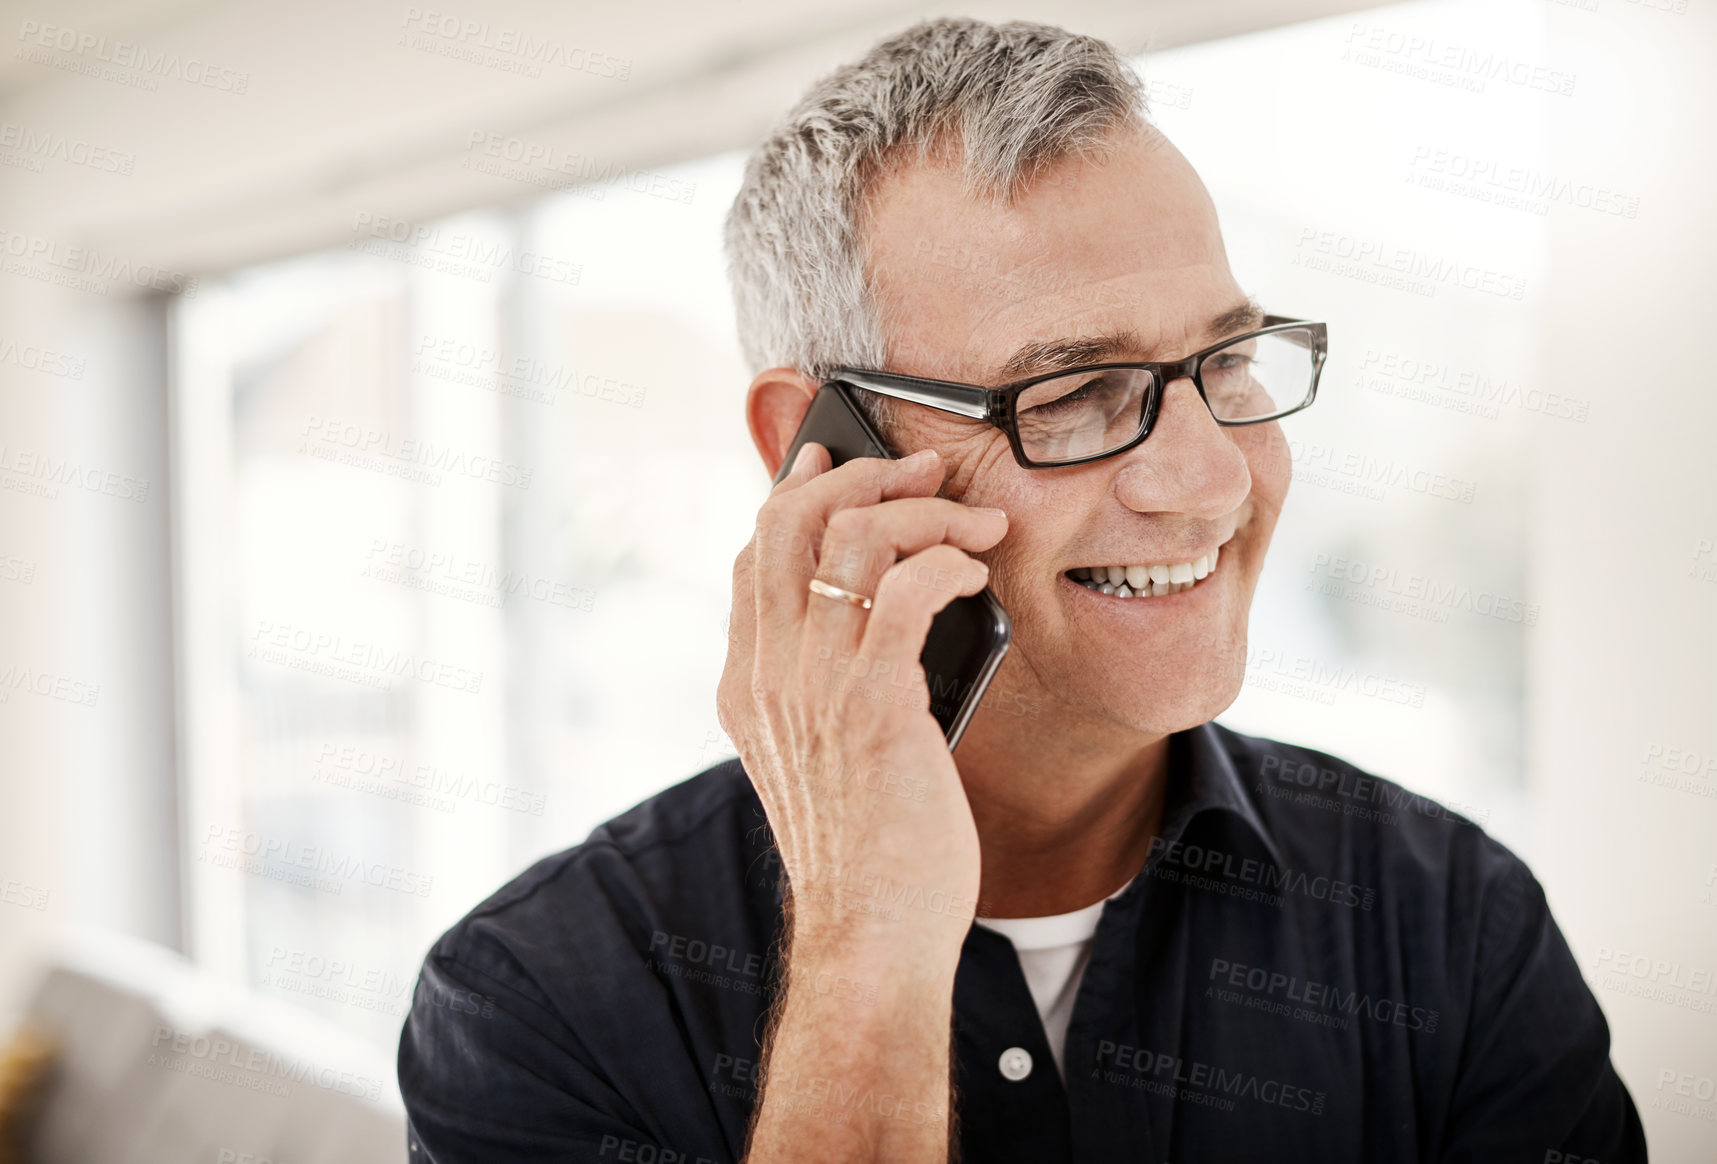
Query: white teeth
{"points": [[1140, 581]]}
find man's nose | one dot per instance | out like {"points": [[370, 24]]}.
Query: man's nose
{"points": [[1188, 464]]}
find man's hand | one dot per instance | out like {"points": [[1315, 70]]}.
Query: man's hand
{"points": [[829, 709]]}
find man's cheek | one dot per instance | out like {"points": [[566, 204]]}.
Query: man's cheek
{"points": [[1269, 461], [982, 471]]}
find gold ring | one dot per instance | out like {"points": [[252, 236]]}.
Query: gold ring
{"points": [[818, 586]]}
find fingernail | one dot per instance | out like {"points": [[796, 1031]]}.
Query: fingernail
{"points": [[804, 451], [990, 509], [918, 458]]}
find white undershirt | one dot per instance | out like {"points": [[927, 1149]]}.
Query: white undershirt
{"points": [[1053, 952]]}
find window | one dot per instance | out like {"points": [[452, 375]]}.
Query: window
{"points": [[459, 517]]}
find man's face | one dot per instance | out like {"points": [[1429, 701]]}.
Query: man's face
{"points": [[1123, 249]]}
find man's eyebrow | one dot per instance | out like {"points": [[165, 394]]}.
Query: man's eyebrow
{"points": [[1053, 355], [1113, 347], [1241, 317]]}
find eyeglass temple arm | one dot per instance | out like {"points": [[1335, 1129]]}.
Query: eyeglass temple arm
{"points": [[961, 399]]}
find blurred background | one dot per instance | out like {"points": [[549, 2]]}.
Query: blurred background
{"points": [[373, 466]]}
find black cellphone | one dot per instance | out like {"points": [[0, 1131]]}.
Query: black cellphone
{"points": [[969, 636]]}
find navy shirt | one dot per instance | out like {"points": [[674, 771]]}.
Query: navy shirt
{"points": [[1313, 965]]}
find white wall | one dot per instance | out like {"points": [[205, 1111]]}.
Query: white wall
{"points": [[1625, 657]]}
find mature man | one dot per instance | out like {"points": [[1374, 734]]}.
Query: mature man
{"points": [[1178, 954]]}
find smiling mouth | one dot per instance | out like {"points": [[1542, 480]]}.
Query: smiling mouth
{"points": [[1146, 581]]}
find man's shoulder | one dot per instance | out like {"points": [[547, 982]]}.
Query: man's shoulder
{"points": [[1319, 807], [578, 1008], [701, 845]]}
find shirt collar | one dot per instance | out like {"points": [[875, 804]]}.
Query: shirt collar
{"points": [[1202, 778]]}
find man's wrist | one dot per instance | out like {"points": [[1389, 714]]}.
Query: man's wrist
{"points": [[897, 960]]}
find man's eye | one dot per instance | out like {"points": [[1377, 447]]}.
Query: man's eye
{"points": [[1078, 396], [1227, 362]]}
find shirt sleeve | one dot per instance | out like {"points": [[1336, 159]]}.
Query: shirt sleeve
{"points": [[1535, 1075], [491, 1074]]}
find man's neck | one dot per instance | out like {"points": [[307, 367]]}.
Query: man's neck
{"points": [[1065, 818]]}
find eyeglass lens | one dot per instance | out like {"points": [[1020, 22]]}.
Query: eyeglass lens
{"points": [[1086, 414]]}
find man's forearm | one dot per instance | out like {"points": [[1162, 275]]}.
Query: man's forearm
{"points": [[857, 1064]]}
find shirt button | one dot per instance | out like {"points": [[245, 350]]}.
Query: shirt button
{"points": [[1015, 1064]]}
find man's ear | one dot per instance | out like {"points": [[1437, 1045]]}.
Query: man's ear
{"points": [[776, 403]]}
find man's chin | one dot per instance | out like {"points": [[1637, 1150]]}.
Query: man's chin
{"points": [[1162, 709]]}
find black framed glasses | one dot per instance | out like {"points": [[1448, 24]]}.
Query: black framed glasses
{"points": [[1085, 414]]}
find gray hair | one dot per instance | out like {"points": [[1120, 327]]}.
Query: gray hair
{"points": [[1015, 97]]}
